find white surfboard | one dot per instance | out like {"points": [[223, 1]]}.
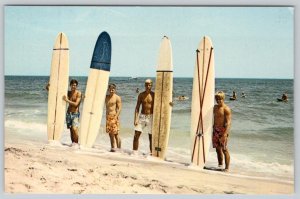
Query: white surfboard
{"points": [[59, 77], [202, 102], [95, 92], [163, 96]]}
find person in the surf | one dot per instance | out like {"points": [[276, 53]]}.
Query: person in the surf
{"points": [[221, 127]]}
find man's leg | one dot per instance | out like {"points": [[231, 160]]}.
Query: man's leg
{"points": [[219, 155], [227, 159], [74, 134], [112, 141], [118, 140], [136, 140]]}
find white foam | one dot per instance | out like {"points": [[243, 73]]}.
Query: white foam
{"points": [[20, 125]]}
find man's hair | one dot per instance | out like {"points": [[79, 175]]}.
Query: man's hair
{"points": [[220, 94], [149, 81], [74, 81], [112, 86]]}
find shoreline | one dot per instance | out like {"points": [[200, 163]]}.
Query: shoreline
{"points": [[42, 168]]}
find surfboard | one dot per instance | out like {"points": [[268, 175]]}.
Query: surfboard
{"points": [[59, 77], [95, 92], [163, 96], [202, 102]]}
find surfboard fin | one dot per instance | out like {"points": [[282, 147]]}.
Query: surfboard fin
{"points": [[157, 149]]}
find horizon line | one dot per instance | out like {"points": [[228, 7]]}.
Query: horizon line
{"points": [[155, 77]]}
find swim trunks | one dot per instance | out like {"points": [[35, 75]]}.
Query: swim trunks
{"points": [[112, 124], [216, 139], [144, 124], [72, 120]]}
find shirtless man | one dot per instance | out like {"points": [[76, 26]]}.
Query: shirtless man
{"points": [[143, 121], [222, 123], [72, 116], [113, 109]]}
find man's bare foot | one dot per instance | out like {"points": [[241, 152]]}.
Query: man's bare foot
{"points": [[226, 170]]}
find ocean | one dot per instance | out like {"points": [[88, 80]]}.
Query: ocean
{"points": [[261, 142]]}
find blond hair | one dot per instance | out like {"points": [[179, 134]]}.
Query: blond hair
{"points": [[149, 81], [220, 94]]}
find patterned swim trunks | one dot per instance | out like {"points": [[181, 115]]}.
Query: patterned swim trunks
{"points": [[72, 120], [112, 124], [145, 124], [216, 139]]}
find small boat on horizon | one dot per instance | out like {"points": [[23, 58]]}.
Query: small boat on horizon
{"points": [[132, 78]]}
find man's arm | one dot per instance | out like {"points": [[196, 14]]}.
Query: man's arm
{"points": [[76, 103], [227, 125], [118, 106], [137, 109]]}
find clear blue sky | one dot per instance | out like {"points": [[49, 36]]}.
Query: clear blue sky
{"points": [[249, 42]]}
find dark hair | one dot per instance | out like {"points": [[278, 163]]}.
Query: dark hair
{"points": [[74, 81], [112, 85]]}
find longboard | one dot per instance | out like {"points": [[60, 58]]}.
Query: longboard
{"points": [[58, 86], [163, 96], [95, 91], [202, 102]]}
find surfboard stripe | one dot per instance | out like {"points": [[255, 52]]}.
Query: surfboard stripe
{"points": [[158, 149], [56, 98], [197, 136], [60, 48], [165, 71]]}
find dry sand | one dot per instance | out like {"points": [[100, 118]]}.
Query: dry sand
{"points": [[41, 168]]}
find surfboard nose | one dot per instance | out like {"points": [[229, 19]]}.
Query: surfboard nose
{"points": [[61, 41], [165, 61], [101, 59]]}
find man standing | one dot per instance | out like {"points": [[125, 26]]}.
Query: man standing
{"points": [[222, 123], [72, 116], [113, 108], [143, 121]]}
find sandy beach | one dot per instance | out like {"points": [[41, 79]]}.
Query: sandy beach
{"points": [[42, 168]]}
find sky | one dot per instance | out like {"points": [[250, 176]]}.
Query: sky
{"points": [[249, 42]]}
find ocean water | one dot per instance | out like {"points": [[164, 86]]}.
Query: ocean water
{"points": [[262, 134]]}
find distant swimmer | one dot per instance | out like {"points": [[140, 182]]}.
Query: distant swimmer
{"points": [[243, 95], [284, 98], [182, 98], [233, 97], [47, 86], [137, 90]]}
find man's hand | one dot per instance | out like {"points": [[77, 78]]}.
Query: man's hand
{"points": [[136, 122], [65, 98]]}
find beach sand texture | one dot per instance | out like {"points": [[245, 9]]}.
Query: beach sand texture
{"points": [[42, 168]]}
